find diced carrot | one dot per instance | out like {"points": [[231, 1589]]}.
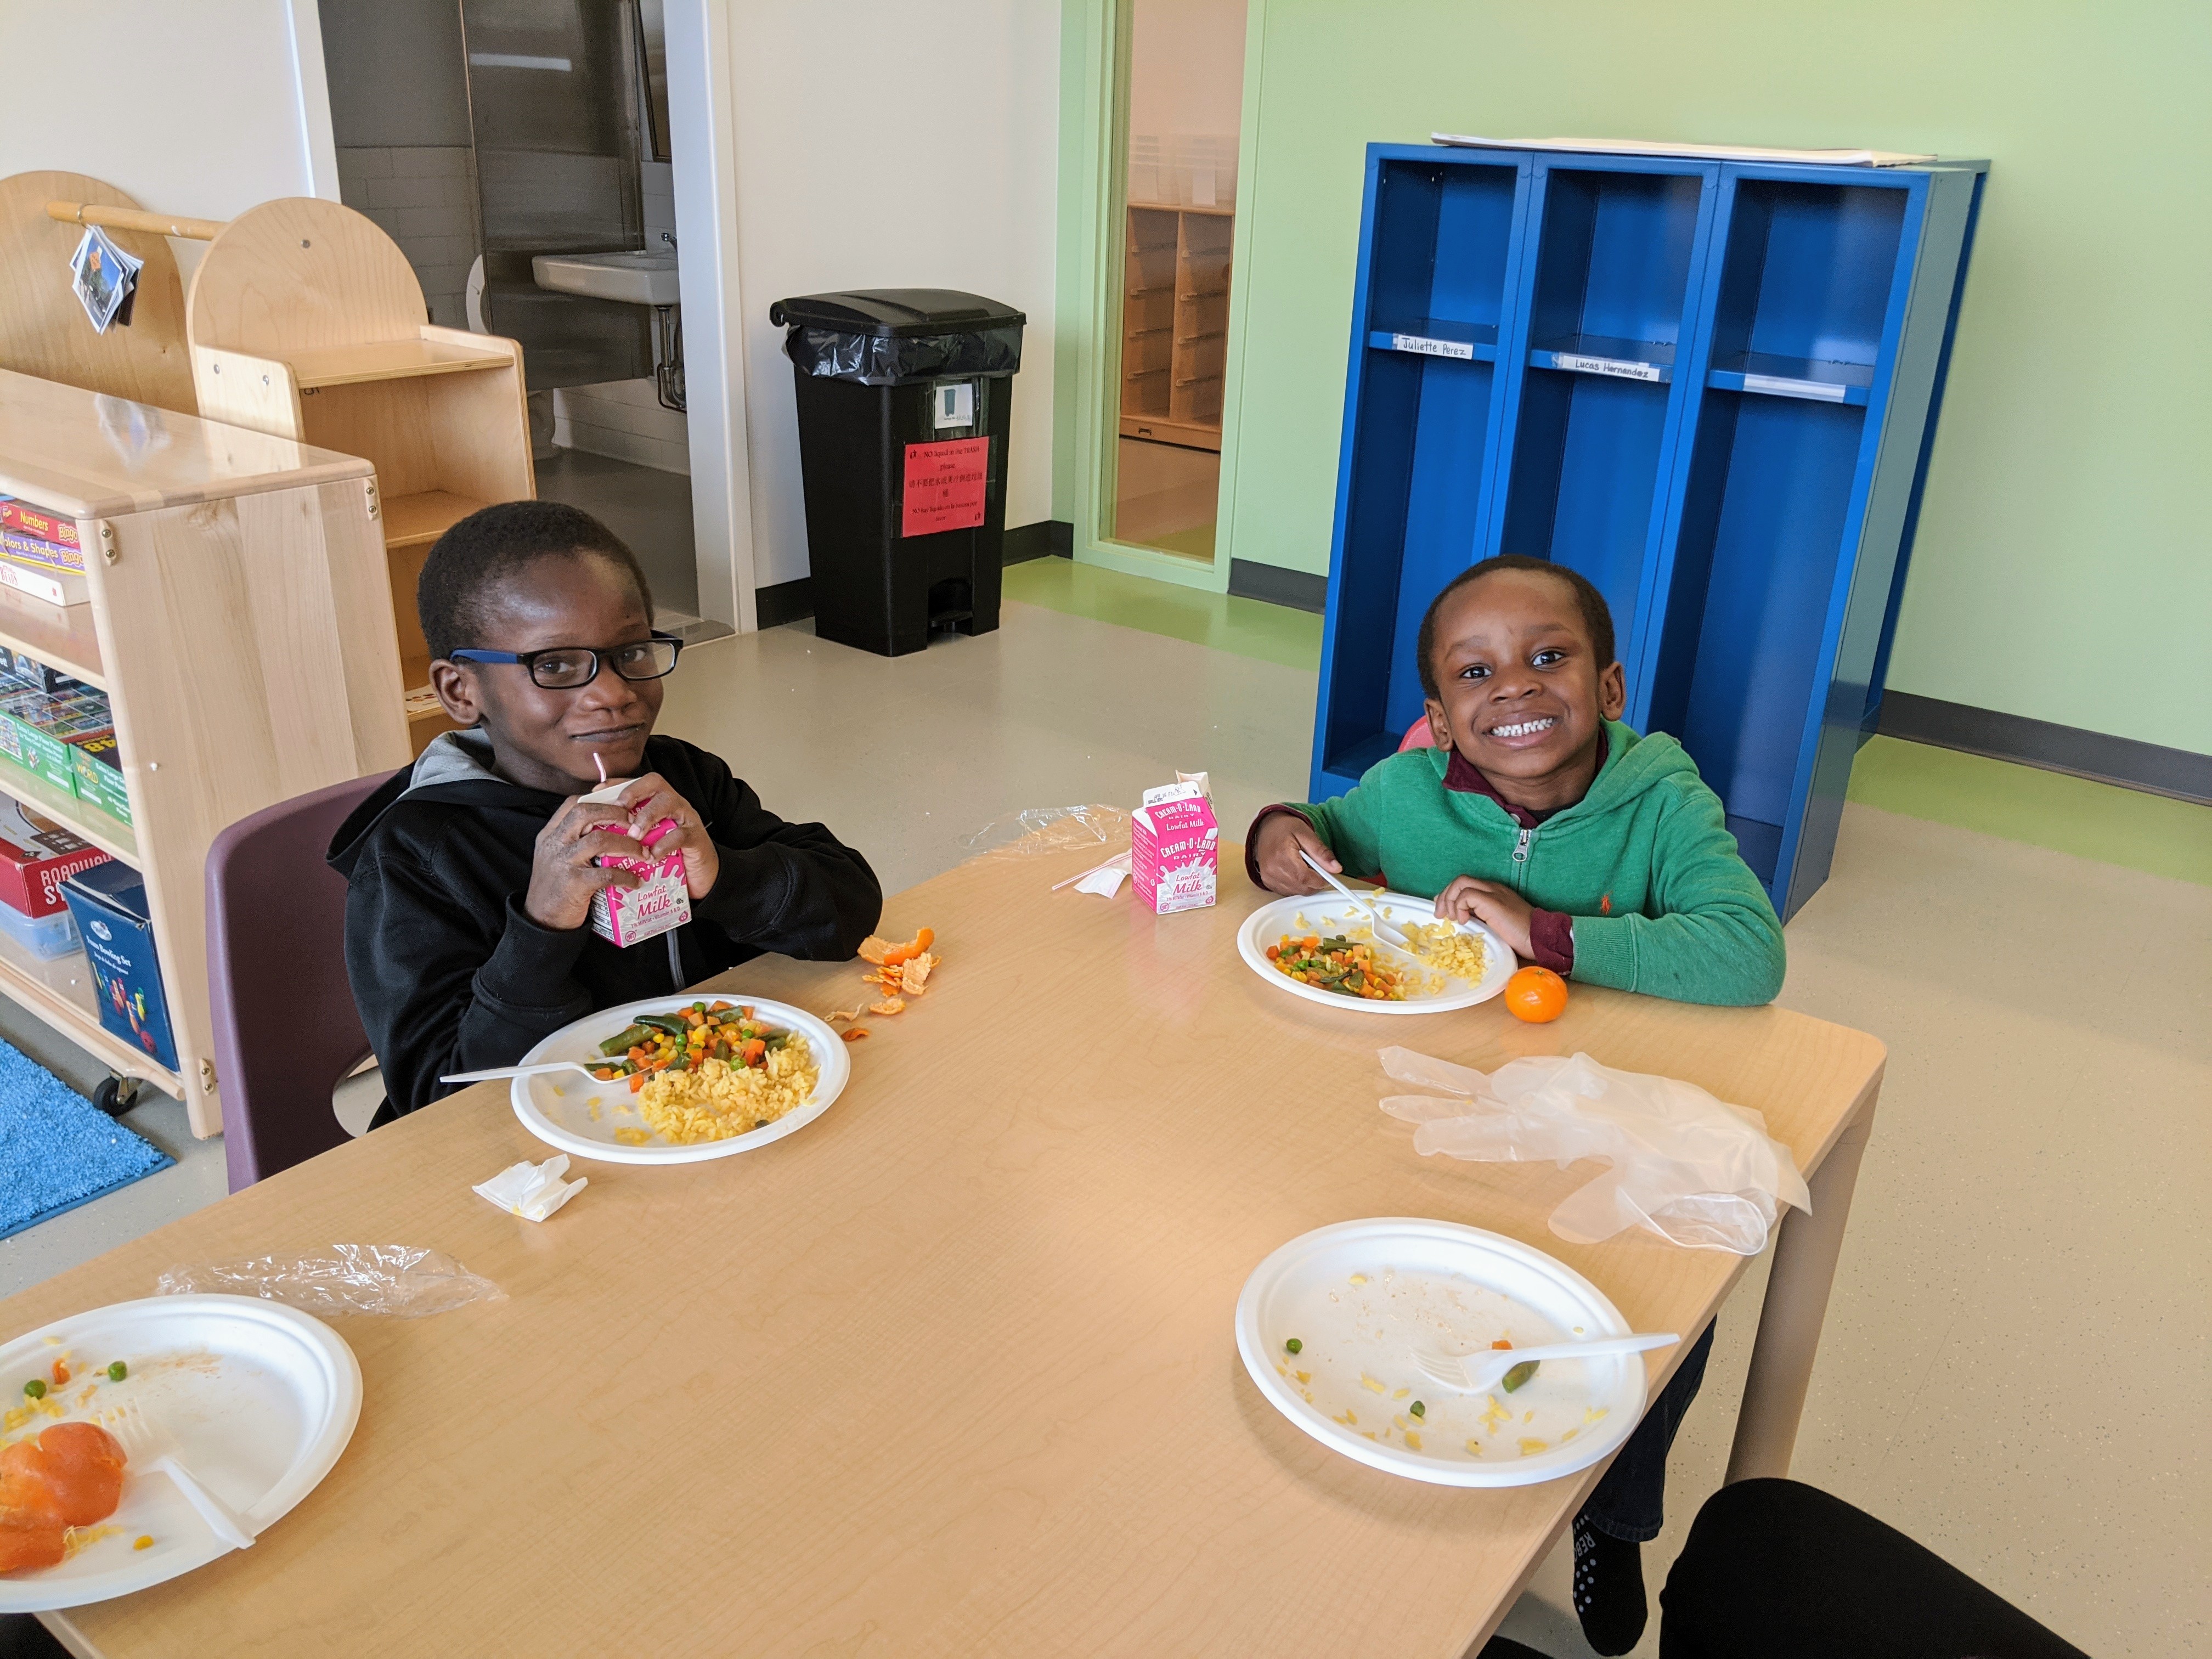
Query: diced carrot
{"points": [[723, 1008], [636, 1081], [61, 1373]]}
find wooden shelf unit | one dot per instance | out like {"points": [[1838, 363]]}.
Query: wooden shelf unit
{"points": [[239, 623], [345, 359], [1174, 329]]}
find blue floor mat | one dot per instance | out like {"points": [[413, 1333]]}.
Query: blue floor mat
{"points": [[57, 1149]]}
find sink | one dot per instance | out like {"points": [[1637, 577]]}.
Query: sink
{"points": [[638, 279]]}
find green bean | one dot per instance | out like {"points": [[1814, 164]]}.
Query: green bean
{"points": [[1521, 1373], [625, 1041], [1417, 1409]]}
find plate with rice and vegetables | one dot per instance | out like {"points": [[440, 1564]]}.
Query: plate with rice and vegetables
{"points": [[680, 1080], [1322, 949]]}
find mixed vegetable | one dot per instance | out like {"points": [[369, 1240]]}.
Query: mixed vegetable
{"points": [[685, 1039], [1350, 967]]}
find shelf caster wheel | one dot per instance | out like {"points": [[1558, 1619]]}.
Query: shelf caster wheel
{"points": [[116, 1094]]}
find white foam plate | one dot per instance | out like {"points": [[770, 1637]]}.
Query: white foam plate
{"points": [[1359, 1296], [556, 1107], [262, 1400], [1326, 912]]}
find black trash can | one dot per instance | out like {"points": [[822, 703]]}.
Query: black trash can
{"points": [[904, 399]]}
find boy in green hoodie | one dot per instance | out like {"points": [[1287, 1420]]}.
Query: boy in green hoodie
{"points": [[1590, 850]]}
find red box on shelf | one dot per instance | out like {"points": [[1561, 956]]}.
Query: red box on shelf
{"points": [[36, 856]]}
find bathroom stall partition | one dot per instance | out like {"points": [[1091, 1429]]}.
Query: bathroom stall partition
{"points": [[1709, 386]]}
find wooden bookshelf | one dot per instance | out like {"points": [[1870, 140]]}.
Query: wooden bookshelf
{"points": [[1175, 334], [240, 625], [344, 358]]}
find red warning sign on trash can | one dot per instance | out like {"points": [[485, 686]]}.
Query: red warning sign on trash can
{"points": [[944, 485]]}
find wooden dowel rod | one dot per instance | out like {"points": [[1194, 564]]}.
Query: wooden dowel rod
{"points": [[116, 218]]}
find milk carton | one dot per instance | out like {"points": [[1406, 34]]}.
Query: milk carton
{"points": [[1175, 847], [662, 898]]}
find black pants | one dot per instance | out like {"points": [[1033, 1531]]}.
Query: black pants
{"points": [[1630, 1503], [1775, 1568]]}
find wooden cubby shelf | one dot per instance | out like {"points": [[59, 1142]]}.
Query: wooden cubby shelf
{"points": [[1707, 386], [1174, 323], [350, 362], [238, 607]]}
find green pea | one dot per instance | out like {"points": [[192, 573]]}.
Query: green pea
{"points": [[1521, 1373], [1293, 1346], [1417, 1409], [36, 1389], [118, 1372]]}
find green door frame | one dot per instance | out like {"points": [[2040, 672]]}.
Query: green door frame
{"points": [[1094, 60]]}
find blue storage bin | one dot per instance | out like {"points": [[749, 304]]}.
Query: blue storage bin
{"points": [[1709, 387], [109, 904]]}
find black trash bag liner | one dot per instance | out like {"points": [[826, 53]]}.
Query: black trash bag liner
{"points": [[898, 360]]}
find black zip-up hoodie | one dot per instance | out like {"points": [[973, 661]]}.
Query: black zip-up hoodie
{"points": [[451, 976]]}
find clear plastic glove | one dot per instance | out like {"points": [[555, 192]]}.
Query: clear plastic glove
{"points": [[404, 1281], [1695, 1170]]}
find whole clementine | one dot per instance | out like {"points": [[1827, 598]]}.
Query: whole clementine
{"points": [[1536, 994]]}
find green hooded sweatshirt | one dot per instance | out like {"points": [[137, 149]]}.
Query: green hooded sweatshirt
{"points": [[1662, 900]]}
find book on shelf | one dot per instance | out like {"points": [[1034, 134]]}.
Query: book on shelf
{"points": [[23, 549], [56, 587], [28, 520]]}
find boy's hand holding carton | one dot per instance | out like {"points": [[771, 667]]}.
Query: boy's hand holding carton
{"points": [[632, 876]]}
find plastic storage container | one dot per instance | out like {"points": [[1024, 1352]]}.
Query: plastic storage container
{"points": [[903, 404]]}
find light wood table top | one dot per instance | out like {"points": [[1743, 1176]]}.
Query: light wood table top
{"points": [[952, 1371]]}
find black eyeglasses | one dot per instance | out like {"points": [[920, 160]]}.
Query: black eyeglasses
{"points": [[566, 667]]}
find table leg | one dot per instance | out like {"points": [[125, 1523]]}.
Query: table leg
{"points": [[1796, 1303]]}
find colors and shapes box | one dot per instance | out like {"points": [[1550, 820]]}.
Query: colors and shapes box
{"points": [[99, 783], [109, 904], [37, 855], [1175, 847], [36, 731]]}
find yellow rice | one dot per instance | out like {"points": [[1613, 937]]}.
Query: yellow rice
{"points": [[1444, 947], [719, 1100]]}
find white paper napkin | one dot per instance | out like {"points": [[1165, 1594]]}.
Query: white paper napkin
{"points": [[1106, 880], [532, 1191]]}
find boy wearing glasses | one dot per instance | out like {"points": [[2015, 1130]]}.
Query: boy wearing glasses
{"points": [[470, 876]]}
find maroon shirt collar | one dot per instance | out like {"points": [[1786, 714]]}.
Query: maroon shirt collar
{"points": [[1462, 776]]}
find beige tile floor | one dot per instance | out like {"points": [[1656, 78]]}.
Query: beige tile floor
{"points": [[2016, 1365]]}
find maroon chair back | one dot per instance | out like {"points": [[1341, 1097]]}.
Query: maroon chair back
{"points": [[286, 1030]]}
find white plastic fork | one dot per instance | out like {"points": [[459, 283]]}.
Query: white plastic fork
{"points": [[149, 1449], [1482, 1370], [493, 1073], [1388, 932]]}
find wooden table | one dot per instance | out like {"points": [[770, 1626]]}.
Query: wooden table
{"points": [[952, 1371]]}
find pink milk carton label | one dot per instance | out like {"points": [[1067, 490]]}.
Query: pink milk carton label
{"points": [[660, 901], [1174, 848]]}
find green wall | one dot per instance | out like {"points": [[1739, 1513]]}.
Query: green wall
{"points": [[2063, 569]]}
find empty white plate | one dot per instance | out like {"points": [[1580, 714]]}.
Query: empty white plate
{"points": [[1358, 1297]]}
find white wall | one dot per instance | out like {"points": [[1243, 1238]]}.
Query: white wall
{"points": [[198, 107], [883, 145], [1187, 66]]}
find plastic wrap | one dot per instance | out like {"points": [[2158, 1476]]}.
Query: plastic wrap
{"points": [[404, 1281], [832, 353], [1038, 829], [1694, 1169]]}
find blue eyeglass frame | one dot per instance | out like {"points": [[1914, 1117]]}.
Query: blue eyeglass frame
{"points": [[527, 659]]}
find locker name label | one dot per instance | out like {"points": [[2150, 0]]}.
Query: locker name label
{"points": [[1776, 386], [1620, 368], [1429, 348]]}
